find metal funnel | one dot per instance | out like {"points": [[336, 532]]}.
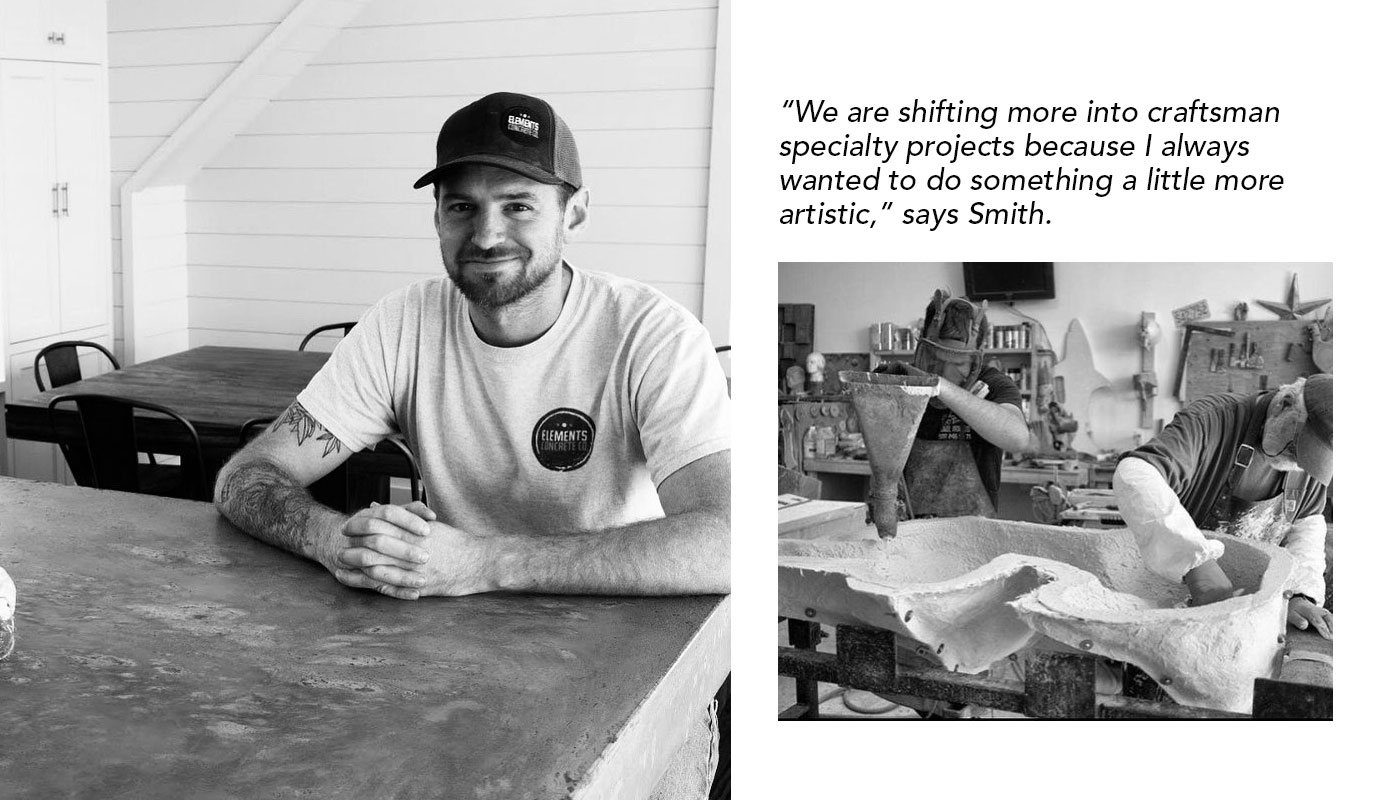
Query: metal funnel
{"points": [[890, 408]]}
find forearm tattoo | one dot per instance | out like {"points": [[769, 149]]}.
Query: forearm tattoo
{"points": [[304, 426], [265, 501]]}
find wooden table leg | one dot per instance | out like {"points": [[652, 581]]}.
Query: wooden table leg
{"points": [[806, 635]]}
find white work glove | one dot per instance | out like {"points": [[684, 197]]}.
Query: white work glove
{"points": [[1168, 539], [1307, 543]]}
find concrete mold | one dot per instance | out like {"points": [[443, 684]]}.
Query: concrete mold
{"points": [[974, 590]]}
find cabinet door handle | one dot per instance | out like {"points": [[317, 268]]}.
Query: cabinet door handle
{"points": [[61, 38], [65, 199], [53, 38], [54, 189]]}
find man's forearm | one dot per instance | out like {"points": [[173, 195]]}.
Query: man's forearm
{"points": [[1001, 426], [685, 553], [266, 502]]}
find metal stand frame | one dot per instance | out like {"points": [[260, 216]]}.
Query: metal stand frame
{"points": [[1057, 685]]}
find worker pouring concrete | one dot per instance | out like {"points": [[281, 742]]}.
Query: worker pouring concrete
{"points": [[954, 468], [1255, 467]]}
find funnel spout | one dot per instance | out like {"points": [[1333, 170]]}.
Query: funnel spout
{"points": [[890, 408]]}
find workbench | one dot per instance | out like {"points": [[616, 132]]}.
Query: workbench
{"points": [[1058, 684], [162, 653]]}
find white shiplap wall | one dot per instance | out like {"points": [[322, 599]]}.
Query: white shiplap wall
{"points": [[166, 57], [309, 215]]}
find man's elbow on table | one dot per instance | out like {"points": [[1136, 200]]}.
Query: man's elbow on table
{"points": [[698, 494], [713, 571], [222, 482], [247, 486]]}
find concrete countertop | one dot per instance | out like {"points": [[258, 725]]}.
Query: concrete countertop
{"points": [[162, 653]]}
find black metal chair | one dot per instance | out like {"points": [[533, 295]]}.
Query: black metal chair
{"points": [[415, 477], [109, 449], [61, 361], [343, 327], [254, 426]]}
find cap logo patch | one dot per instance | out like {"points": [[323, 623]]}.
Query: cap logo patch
{"points": [[563, 439], [521, 127]]}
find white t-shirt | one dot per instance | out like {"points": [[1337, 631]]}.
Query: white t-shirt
{"points": [[571, 432]]}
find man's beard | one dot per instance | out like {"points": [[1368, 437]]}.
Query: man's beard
{"points": [[1287, 461], [497, 290]]}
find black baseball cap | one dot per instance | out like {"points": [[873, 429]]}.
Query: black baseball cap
{"points": [[511, 131]]}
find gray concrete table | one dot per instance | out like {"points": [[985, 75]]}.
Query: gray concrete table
{"points": [[162, 653]]}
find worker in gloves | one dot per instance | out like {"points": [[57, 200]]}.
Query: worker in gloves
{"points": [[954, 467], [1254, 467]]}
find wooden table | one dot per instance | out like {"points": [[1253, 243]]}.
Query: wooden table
{"points": [[162, 653], [216, 388]]}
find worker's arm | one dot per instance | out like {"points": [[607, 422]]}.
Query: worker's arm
{"points": [[1306, 542], [1170, 543], [1001, 424], [684, 552], [262, 490]]}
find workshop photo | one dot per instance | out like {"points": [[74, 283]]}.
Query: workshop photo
{"points": [[366, 392], [1062, 490]]}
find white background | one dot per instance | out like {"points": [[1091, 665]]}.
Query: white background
{"points": [[1331, 68]]}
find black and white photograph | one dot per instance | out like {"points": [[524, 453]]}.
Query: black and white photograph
{"points": [[387, 398], [1055, 490], [367, 399]]}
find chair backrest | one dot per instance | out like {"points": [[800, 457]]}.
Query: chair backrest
{"points": [[61, 360], [108, 425], [728, 382], [368, 478], [252, 428], [343, 327], [415, 478]]}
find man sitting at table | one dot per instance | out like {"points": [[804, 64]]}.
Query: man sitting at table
{"points": [[572, 426]]}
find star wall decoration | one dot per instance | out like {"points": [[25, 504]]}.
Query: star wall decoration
{"points": [[1293, 308]]}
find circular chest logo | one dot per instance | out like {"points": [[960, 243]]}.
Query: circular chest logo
{"points": [[563, 439]]}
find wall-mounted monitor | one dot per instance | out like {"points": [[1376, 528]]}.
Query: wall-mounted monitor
{"points": [[1009, 281]]}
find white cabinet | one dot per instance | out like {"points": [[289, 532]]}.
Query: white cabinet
{"points": [[83, 154], [29, 202], [74, 31], [55, 190], [55, 215]]}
